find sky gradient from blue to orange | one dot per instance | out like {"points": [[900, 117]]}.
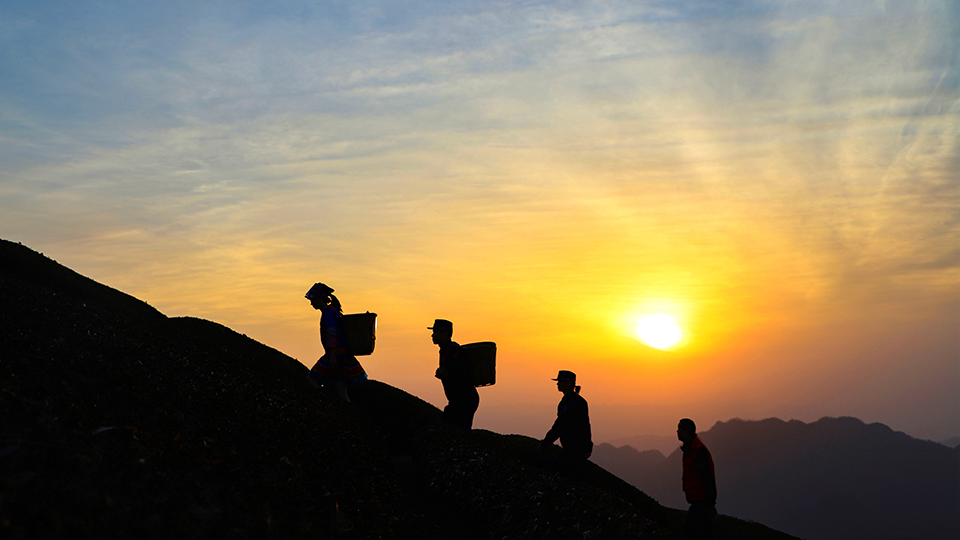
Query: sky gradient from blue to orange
{"points": [[782, 177]]}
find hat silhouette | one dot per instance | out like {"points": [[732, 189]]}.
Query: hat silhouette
{"points": [[441, 324], [564, 375], [319, 290]]}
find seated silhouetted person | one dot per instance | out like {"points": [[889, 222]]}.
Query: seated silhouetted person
{"points": [[572, 427], [456, 374], [699, 482]]}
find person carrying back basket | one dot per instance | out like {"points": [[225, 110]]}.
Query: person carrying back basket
{"points": [[456, 374], [337, 368]]}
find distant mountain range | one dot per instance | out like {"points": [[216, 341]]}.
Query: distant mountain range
{"points": [[833, 479], [665, 444]]}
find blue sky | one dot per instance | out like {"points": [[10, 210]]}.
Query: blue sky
{"points": [[788, 168]]}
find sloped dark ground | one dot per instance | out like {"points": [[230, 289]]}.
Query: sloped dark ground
{"points": [[497, 486], [152, 428], [118, 422]]}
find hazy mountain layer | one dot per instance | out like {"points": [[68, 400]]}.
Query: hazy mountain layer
{"points": [[833, 479]]}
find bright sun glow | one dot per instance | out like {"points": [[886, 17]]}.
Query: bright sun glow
{"points": [[658, 331]]}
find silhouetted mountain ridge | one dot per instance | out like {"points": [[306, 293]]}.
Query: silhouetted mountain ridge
{"points": [[627, 462], [664, 443], [120, 422], [830, 479], [952, 442]]}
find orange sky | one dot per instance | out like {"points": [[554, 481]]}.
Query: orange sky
{"points": [[782, 180]]}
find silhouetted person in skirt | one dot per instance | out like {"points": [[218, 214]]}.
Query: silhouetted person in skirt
{"points": [[337, 368], [456, 374], [572, 427], [699, 483]]}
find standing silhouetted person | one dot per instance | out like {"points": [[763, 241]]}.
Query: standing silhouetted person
{"points": [[456, 374], [572, 427], [699, 483], [337, 367]]}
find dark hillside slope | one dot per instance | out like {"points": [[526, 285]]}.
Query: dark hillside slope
{"points": [[118, 422], [146, 427], [21, 264]]}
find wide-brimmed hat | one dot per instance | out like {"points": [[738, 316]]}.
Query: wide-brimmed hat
{"points": [[319, 290], [564, 375], [441, 324]]}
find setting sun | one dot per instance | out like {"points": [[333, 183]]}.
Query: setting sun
{"points": [[658, 331]]}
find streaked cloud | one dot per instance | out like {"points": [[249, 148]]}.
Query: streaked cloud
{"points": [[768, 169]]}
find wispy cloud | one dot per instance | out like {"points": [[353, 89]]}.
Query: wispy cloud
{"points": [[767, 161]]}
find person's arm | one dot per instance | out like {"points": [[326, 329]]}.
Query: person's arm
{"points": [[554, 433], [583, 423], [709, 481], [328, 338], [550, 438], [447, 358]]}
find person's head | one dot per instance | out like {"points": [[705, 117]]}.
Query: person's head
{"points": [[442, 331], [686, 430], [321, 296], [566, 381]]}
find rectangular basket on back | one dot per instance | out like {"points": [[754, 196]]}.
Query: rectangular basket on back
{"points": [[483, 361], [361, 332]]}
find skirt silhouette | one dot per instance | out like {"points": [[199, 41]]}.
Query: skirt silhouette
{"points": [[348, 371]]}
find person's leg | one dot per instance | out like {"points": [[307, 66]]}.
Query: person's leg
{"points": [[460, 416], [559, 465], [699, 522], [569, 465], [470, 411], [448, 414], [458, 412], [578, 469], [341, 390]]}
